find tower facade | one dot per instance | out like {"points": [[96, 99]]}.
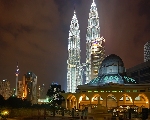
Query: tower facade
{"points": [[95, 51], [147, 52], [73, 62]]}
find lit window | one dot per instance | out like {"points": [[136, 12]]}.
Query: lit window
{"points": [[89, 91], [134, 90], [114, 91], [128, 91], [95, 91]]}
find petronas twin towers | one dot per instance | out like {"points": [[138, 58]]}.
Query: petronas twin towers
{"points": [[95, 51]]}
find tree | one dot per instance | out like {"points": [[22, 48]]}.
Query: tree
{"points": [[2, 101], [17, 102], [54, 96]]}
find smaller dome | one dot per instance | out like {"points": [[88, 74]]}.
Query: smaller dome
{"points": [[112, 64]]}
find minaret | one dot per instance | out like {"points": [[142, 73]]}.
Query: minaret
{"points": [[17, 73], [73, 62], [95, 51]]}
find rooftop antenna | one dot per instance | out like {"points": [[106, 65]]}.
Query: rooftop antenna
{"points": [[74, 8], [17, 73]]}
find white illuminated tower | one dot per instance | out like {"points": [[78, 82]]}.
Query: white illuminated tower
{"points": [[73, 62], [17, 73], [95, 51], [147, 52]]}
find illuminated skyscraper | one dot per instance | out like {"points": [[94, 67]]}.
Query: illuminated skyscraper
{"points": [[17, 73], [147, 52], [95, 51], [29, 85], [73, 62]]}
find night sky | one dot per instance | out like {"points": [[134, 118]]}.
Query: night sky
{"points": [[35, 33]]}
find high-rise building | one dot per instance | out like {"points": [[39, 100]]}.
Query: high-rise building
{"points": [[73, 62], [20, 89], [95, 51], [147, 52], [29, 83], [41, 92], [5, 89]]}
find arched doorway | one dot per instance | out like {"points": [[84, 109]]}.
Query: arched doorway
{"points": [[84, 101], [71, 102], [125, 99], [110, 101], [141, 101]]}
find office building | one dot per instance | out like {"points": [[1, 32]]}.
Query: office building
{"points": [[5, 89], [147, 51]]}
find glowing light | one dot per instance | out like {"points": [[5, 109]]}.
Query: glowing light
{"points": [[80, 99], [92, 99], [5, 112]]}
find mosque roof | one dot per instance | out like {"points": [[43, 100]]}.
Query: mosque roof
{"points": [[112, 78]]}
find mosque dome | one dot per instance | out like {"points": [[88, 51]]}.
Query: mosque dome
{"points": [[112, 59], [111, 71], [112, 64]]}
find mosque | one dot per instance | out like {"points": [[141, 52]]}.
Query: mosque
{"points": [[112, 88]]}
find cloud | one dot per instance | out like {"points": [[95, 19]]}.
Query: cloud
{"points": [[35, 33]]}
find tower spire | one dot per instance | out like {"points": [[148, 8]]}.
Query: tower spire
{"points": [[74, 9]]}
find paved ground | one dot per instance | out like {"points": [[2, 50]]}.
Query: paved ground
{"points": [[42, 118]]}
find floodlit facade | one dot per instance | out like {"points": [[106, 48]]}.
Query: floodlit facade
{"points": [[95, 51], [29, 85], [73, 62], [147, 52]]}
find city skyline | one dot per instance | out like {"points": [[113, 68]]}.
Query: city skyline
{"points": [[35, 33]]}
